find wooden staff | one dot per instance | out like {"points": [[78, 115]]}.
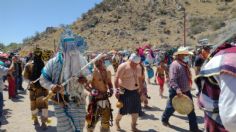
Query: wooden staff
{"points": [[51, 94]]}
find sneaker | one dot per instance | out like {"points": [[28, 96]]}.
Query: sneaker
{"points": [[197, 130]]}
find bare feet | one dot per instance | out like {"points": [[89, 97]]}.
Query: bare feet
{"points": [[134, 128], [118, 125]]}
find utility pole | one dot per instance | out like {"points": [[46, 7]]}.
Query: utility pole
{"points": [[184, 28], [54, 44]]}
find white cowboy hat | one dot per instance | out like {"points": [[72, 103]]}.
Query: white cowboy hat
{"points": [[183, 51]]}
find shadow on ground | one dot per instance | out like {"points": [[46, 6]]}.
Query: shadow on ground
{"points": [[18, 98], [150, 130], [153, 108], [6, 114], [178, 129], [200, 119], [147, 116], [49, 129]]}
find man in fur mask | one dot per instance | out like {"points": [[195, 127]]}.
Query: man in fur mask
{"points": [[69, 100], [32, 72]]}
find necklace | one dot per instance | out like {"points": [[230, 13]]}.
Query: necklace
{"points": [[103, 75], [135, 77]]}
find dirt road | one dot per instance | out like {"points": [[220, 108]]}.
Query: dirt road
{"points": [[17, 117]]}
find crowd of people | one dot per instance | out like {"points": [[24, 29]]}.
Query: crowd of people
{"points": [[67, 77]]}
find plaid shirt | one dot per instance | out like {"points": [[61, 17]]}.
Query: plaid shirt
{"points": [[178, 77]]}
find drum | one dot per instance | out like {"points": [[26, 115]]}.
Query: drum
{"points": [[182, 104]]}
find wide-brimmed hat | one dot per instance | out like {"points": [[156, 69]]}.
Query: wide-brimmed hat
{"points": [[135, 58], [183, 51]]}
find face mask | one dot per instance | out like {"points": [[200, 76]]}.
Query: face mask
{"points": [[186, 59]]}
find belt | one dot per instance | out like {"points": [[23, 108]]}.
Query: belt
{"points": [[131, 91], [103, 96], [69, 99]]}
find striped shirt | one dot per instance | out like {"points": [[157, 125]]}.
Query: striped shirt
{"points": [[178, 77]]}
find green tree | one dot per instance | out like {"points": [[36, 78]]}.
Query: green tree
{"points": [[2, 46]]}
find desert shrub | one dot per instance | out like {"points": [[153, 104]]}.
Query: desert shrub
{"points": [[233, 13], [194, 21], [223, 8], [162, 11], [201, 24], [217, 25], [197, 29], [197, 25], [84, 16]]}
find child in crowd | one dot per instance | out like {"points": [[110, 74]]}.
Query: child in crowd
{"points": [[161, 73]]}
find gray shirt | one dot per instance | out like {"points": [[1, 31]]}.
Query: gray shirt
{"points": [[3, 71]]}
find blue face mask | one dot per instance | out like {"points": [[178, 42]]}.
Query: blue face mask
{"points": [[186, 59]]}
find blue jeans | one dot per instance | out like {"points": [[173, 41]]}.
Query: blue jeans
{"points": [[169, 110], [18, 82], [1, 104]]}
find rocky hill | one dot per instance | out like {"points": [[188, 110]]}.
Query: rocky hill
{"points": [[119, 24]]}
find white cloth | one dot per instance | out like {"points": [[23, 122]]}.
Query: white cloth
{"points": [[73, 64], [103, 103], [66, 64], [227, 101]]}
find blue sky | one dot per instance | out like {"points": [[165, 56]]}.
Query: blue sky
{"points": [[23, 18]]}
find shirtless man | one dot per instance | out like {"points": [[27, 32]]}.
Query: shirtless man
{"points": [[99, 103], [128, 80]]}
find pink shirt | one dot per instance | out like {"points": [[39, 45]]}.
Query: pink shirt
{"points": [[128, 77]]}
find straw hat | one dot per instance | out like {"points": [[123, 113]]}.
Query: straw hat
{"points": [[183, 51], [182, 104]]}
